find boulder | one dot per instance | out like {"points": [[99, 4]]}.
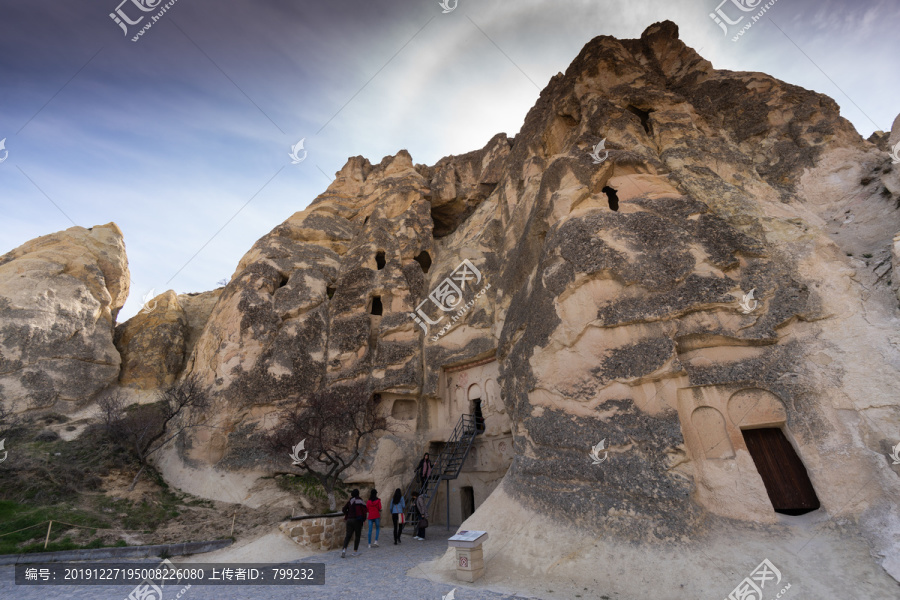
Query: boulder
{"points": [[59, 297], [153, 343]]}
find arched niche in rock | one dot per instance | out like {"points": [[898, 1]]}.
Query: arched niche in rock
{"points": [[709, 424], [755, 407]]}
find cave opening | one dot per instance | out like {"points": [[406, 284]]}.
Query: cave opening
{"points": [[377, 308], [445, 220], [644, 116], [424, 260], [329, 291], [283, 281], [611, 197], [379, 259]]}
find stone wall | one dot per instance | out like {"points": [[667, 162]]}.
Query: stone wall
{"points": [[322, 533]]}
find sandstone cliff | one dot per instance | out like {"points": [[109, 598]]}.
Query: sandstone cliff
{"points": [[612, 294]]}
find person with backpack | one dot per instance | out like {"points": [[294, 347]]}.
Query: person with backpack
{"points": [[354, 515], [398, 514], [374, 508], [421, 515]]}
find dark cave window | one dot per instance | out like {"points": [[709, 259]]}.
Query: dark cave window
{"points": [[329, 291], [611, 197], [283, 281], [377, 308], [445, 221], [644, 116], [424, 260], [366, 220], [379, 259]]}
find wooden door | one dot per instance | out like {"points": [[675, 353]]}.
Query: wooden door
{"points": [[782, 471]]}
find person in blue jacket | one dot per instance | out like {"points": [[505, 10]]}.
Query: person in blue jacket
{"points": [[398, 506]]}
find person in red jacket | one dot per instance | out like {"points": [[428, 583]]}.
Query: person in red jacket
{"points": [[374, 508]]}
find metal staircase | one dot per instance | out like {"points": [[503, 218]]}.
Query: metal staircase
{"points": [[447, 467]]}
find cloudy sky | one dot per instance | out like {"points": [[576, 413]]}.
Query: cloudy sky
{"points": [[183, 137]]}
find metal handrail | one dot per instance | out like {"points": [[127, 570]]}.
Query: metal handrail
{"points": [[464, 432]]}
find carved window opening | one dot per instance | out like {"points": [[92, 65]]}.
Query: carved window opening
{"points": [[283, 281], [782, 471], [379, 260], [644, 116], [611, 197], [329, 291], [377, 308], [424, 260]]}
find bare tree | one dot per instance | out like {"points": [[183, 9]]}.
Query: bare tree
{"points": [[334, 424], [144, 429]]}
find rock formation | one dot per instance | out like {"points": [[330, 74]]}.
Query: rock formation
{"points": [[59, 297], [156, 342], [602, 292]]}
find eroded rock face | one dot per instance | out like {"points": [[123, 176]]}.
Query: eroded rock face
{"points": [[616, 295], [153, 343], [59, 297], [156, 342]]}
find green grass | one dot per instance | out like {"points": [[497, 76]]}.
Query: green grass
{"points": [[146, 515], [15, 516], [309, 486]]}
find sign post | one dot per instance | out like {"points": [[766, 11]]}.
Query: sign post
{"points": [[469, 554]]}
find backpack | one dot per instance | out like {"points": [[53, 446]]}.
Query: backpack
{"points": [[354, 510]]}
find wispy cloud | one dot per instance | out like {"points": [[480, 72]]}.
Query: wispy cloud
{"points": [[169, 137]]}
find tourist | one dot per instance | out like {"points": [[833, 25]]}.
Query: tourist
{"points": [[374, 508], [354, 514], [421, 515], [398, 507], [423, 471]]}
